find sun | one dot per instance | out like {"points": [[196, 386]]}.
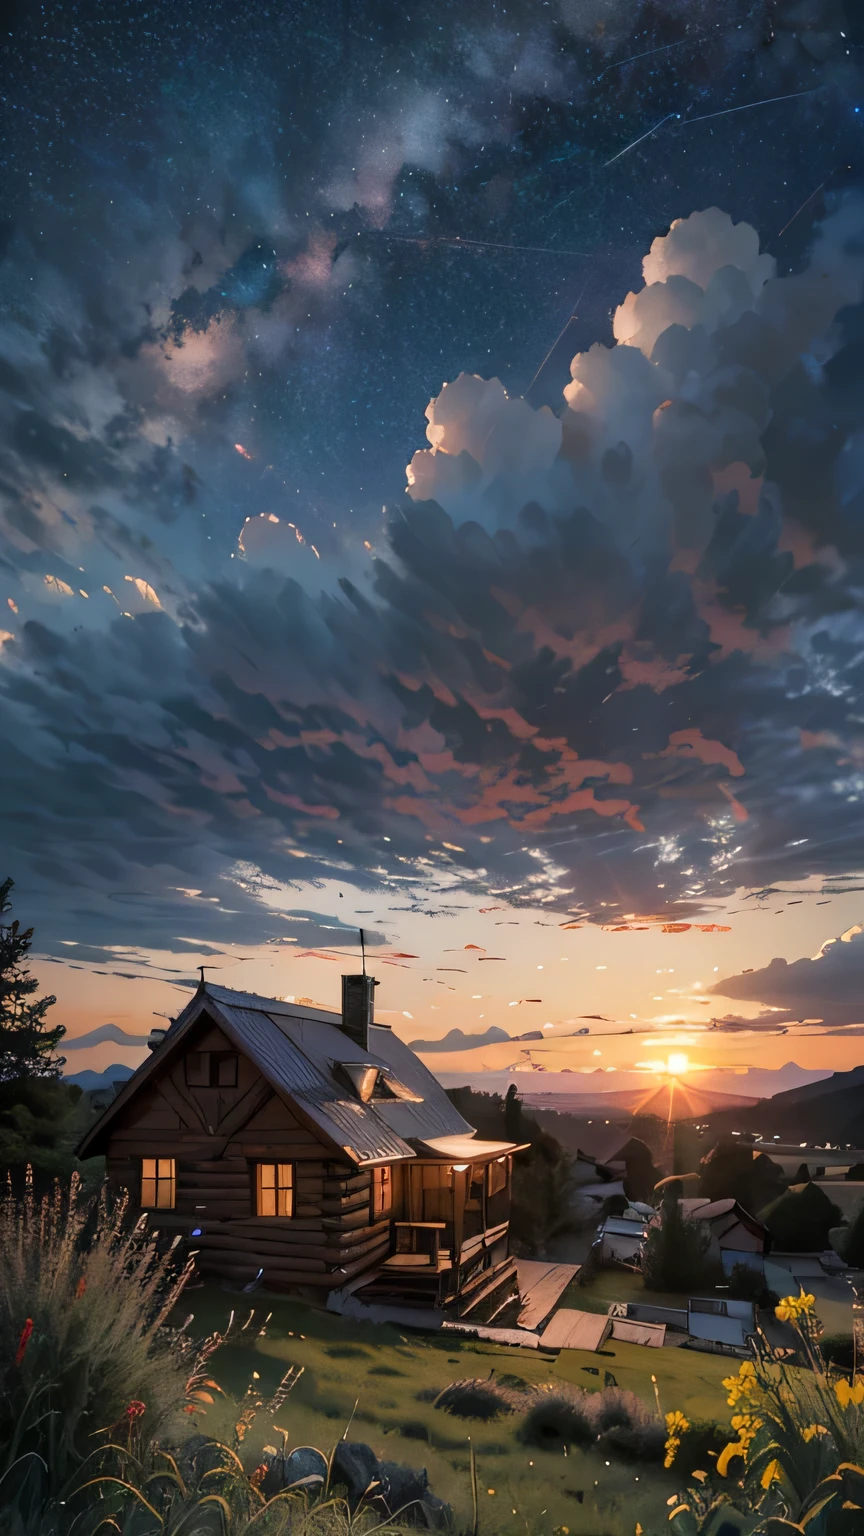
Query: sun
{"points": [[677, 1064]]}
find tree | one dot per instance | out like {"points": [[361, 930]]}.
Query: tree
{"points": [[513, 1114], [676, 1253], [27, 1042], [732, 1171]]}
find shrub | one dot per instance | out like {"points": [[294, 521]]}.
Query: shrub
{"points": [[800, 1221], [470, 1399], [558, 1416]]}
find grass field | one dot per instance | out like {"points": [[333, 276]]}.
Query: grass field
{"points": [[386, 1372]]}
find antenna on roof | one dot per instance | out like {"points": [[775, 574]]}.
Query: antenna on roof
{"points": [[203, 968], [363, 949]]}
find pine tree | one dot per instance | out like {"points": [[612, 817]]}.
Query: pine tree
{"points": [[27, 1042], [513, 1114]]}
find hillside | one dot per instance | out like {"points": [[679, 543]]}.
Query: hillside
{"points": [[829, 1110]]}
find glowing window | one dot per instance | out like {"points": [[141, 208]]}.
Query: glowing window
{"points": [[382, 1191], [275, 1189], [158, 1182]]}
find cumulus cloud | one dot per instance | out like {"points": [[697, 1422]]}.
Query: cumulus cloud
{"points": [[607, 653]]}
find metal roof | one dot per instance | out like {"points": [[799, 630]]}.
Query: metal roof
{"points": [[296, 1048]]}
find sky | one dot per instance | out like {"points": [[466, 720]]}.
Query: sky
{"points": [[432, 499]]}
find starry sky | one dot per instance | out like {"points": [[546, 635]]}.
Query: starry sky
{"points": [[568, 713]]}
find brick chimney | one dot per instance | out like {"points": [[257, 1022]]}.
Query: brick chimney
{"points": [[358, 1008]]}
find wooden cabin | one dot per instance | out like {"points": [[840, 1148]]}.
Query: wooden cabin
{"points": [[313, 1150]]}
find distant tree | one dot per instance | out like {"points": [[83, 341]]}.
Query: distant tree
{"points": [[732, 1171], [676, 1253], [802, 1219], [27, 1042], [513, 1114], [640, 1175]]}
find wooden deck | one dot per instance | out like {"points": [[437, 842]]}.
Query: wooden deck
{"points": [[540, 1287], [576, 1330]]}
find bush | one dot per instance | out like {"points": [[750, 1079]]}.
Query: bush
{"points": [[748, 1284], [558, 1416], [800, 1221], [470, 1399]]}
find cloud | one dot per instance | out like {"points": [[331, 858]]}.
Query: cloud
{"points": [[541, 673], [827, 988]]}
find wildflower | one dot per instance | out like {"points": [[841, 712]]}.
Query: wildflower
{"points": [[772, 1474], [259, 1475], [810, 1431], [80, 1288], [676, 1426], [741, 1385], [792, 1308], [136, 1410], [847, 1394], [24, 1341]]}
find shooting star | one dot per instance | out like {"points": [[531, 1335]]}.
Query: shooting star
{"points": [[641, 140], [766, 102]]}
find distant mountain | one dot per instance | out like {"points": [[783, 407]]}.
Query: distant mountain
{"points": [[88, 1080], [666, 1102], [457, 1040], [111, 1032]]}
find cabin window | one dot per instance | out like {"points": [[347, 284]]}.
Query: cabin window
{"points": [[496, 1176], [275, 1189], [382, 1191], [211, 1069], [158, 1182], [198, 1069]]}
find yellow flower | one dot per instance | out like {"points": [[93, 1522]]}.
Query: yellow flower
{"points": [[847, 1394], [734, 1448], [676, 1426], [793, 1307], [811, 1431], [772, 1474], [742, 1384]]}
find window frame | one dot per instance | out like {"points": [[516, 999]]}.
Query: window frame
{"points": [[501, 1188], [215, 1060], [284, 1185], [381, 1191], [162, 1182]]}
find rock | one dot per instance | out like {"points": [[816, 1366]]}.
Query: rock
{"points": [[356, 1469], [305, 1467]]}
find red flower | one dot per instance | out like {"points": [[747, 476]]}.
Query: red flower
{"points": [[135, 1411], [80, 1288], [24, 1340]]}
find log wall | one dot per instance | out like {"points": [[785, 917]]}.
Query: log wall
{"points": [[216, 1136]]}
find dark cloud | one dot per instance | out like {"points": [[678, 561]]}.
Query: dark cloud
{"points": [[603, 652], [828, 987]]}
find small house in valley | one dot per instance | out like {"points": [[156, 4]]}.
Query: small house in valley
{"points": [[314, 1150]]}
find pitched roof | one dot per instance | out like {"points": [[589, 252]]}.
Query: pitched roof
{"points": [[297, 1048]]}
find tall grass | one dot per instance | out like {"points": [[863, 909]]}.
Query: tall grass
{"points": [[95, 1386], [84, 1344]]}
